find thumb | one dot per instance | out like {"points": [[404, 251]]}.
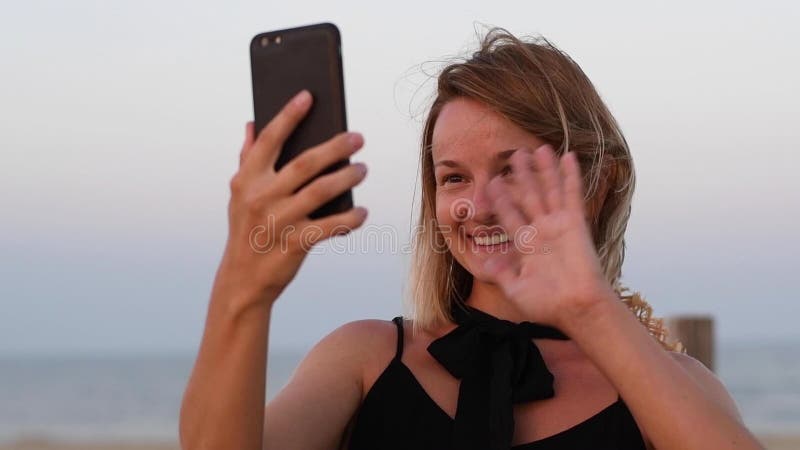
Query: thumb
{"points": [[500, 268]]}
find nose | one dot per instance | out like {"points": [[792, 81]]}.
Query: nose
{"points": [[483, 206]]}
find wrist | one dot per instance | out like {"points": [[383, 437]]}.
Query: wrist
{"points": [[241, 293], [585, 316]]}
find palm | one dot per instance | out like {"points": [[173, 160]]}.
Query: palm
{"points": [[555, 264]]}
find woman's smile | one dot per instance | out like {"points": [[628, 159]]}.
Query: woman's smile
{"points": [[472, 146]]}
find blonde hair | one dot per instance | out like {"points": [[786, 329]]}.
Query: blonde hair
{"points": [[543, 91]]}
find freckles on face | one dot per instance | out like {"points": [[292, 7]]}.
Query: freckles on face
{"points": [[471, 145]]}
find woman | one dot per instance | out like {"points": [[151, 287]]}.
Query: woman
{"points": [[511, 234]]}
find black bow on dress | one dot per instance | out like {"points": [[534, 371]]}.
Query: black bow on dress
{"points": [[498, 365]]}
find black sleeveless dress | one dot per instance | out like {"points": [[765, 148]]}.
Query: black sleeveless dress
{"points": [[397, 414]]}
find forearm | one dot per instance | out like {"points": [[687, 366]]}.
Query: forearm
{"points": [[673, 408], [223, 406]]}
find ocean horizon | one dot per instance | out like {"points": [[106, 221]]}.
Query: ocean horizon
{"points": [[136, 397]]}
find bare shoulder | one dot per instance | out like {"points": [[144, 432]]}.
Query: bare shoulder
{"points": [[366, 333], [365, 345], [326, 389], [345, 355], [360, 335], [709, 381]]}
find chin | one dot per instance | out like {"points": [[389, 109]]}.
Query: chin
{"points": [[483, 278], [473, 264]]}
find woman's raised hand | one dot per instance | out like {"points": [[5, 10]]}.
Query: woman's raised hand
{"points": [[269, 231], [554, 271]]}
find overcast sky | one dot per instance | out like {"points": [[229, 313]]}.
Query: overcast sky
{"points": [[120, 126]]}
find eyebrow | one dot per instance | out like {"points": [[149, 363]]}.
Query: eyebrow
{"points": [[499, 156]]}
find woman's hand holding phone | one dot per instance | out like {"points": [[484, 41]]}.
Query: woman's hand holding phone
{"points": [[269, 229], [292, 190]]}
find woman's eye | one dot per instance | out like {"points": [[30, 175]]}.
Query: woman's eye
{"points": [[452, 178], [506, 170]]}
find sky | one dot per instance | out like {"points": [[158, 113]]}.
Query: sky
{"points": [[121, 123]]}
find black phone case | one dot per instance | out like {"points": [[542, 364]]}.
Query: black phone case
{"points": [[283, 63]]}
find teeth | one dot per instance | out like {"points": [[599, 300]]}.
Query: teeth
{"points": [[494, 239]]}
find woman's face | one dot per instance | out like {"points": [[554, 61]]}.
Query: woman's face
{"points": [[471, 146]]}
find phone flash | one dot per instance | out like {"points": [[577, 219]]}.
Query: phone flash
{"points": [[278, 40], [264, 41]]}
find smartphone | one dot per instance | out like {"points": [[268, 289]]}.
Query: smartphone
{"points": [[283, 63]]}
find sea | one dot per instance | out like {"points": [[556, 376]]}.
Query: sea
{"points": [[137, 397]]}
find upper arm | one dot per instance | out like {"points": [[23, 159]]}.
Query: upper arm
{"points": [[709, 382], [314, 408]]}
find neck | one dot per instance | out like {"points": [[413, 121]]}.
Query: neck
{"points": [[489, 298]]}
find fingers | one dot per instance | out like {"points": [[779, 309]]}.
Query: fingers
{"points": [[308, 164], [503, 270], [508, 213], [248, 142], [325, 188], [270, 140], [528, 190], [540, 176], [515, 225], [549, 177], [573, 184], [337, 224]]}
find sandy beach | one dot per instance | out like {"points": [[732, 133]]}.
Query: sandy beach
{"points": [[771, 442], [43, 444], [780, 442]]}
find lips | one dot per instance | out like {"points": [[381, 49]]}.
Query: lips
{"points": [[491, 240], [486, 231], [487, 236]]}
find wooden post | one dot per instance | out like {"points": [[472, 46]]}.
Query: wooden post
{"points": [[696, 332]]}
